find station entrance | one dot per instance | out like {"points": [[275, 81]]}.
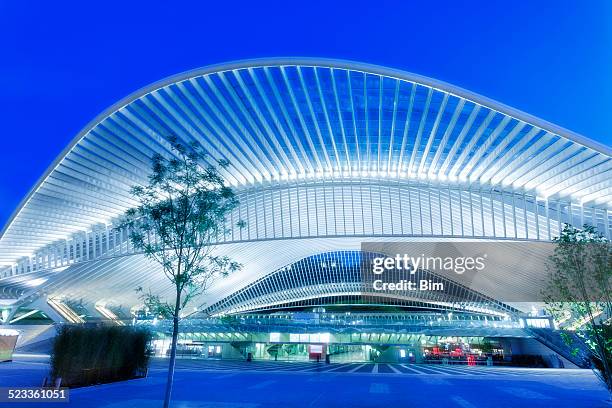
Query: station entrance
{"points": [[422, 349], [409, 338]]}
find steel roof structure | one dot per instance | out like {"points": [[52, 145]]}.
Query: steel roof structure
{"points": [[323, 154]]}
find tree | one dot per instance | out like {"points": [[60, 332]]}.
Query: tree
{"points": [[578, 293], [182, 212]]}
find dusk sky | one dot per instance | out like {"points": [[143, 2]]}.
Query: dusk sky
{"points": [[62, 64]]}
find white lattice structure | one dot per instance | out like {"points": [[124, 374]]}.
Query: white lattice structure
{"points": [[324, 154]]}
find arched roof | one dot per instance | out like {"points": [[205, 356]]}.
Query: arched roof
{"points": [[330, 276], [112, 280], [295, 119]]}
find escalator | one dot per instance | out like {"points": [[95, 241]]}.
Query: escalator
{"points": [[576, 352]]}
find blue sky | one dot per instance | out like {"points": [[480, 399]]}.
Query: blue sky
{"points": [[62, 64]]}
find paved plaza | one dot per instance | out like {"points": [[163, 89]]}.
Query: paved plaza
{"points": [[233, 384]]}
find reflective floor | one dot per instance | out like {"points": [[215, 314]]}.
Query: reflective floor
{"points": [[365, 368], [308, 384]]}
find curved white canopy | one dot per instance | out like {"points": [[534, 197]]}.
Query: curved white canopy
{"points": [[321, 125]]}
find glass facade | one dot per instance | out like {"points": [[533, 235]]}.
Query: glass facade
{"points": [[337, 278]]}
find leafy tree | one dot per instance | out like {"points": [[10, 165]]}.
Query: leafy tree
{"points": [[578, 293], [182, 212]]}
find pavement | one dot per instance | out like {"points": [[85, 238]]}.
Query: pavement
{"points": [[233, 384]]}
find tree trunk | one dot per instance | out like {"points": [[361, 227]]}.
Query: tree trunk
{"points": [[602, 350], [175, 330]]}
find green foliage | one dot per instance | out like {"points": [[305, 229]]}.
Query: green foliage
{"points": [[578, 293], [182, 212], [85, 355]]}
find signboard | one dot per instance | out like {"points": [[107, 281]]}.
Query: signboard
{"points": [[316, 349]]}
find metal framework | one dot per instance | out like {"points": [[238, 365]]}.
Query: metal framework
{"points": [[319, 149], [340, 278]]}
